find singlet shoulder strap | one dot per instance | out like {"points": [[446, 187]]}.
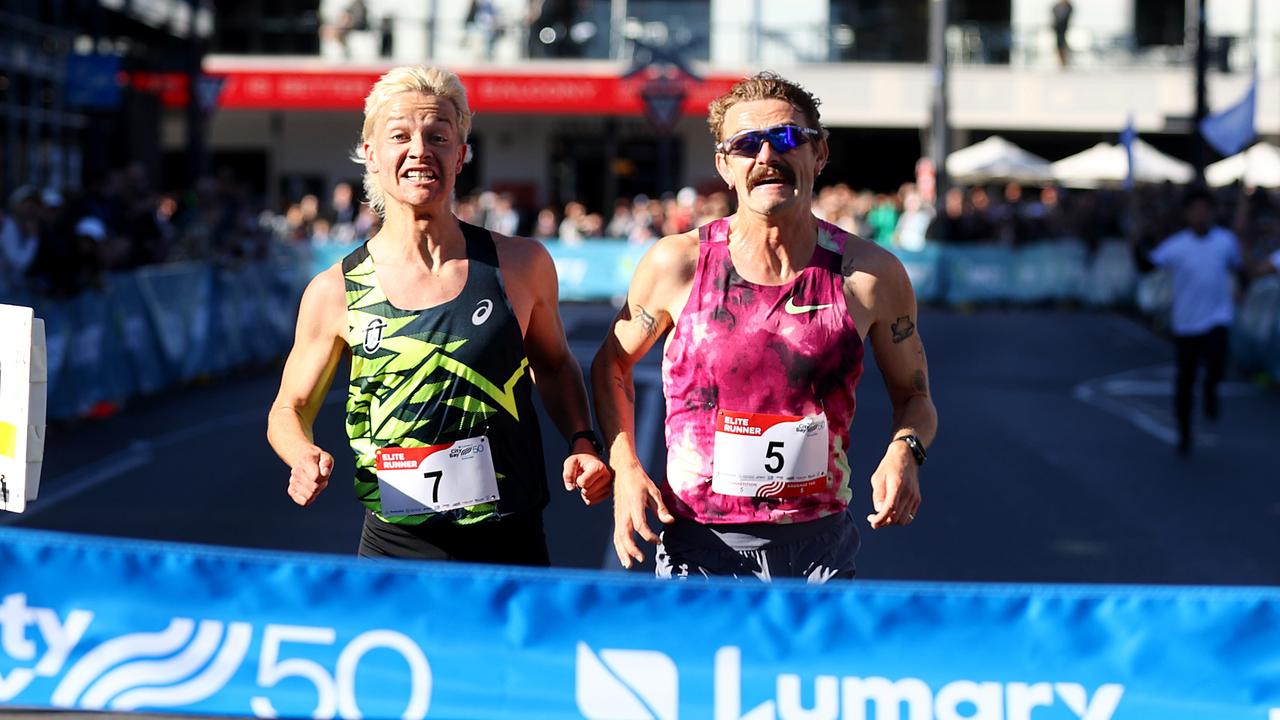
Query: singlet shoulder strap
{"points": [[832, 237], [355, 257], [716, 231], [480, 245], [831, 243]]}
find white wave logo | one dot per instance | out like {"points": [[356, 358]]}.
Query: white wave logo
{"points": [[140, 669], [626, 685]]}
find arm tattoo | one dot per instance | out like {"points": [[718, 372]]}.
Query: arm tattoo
{"points": [[919, 381], [902, 329], [650, 322]]}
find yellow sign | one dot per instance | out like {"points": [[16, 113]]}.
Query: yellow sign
{"points": [[8, 439]]}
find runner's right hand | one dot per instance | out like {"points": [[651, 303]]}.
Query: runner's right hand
{"points": [[633, 494], [310, 475]]}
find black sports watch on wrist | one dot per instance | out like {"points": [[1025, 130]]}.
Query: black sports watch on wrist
{"points": [[916, 447], [591, 437]]}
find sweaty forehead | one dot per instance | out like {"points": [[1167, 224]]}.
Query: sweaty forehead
{"points": [[756, 114], [421, 107]]}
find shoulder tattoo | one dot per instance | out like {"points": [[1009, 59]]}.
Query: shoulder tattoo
{"points": [[902, 328]]}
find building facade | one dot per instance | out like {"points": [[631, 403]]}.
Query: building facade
{"points": [[598, 99]]}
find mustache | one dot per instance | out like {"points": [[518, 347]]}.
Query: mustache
{"points": [[767, 172]]}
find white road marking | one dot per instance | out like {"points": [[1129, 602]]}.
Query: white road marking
{"points": [[1164, 388], [132, 458], [1134, 415], [1109, 393], [86, 478]]}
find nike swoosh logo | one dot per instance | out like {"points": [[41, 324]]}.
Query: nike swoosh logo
{"points": [[794, 309]]}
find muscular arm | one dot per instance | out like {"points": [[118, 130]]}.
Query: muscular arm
{"points": [[658, 290], [880, 285], [556, 372], [308, 372]]}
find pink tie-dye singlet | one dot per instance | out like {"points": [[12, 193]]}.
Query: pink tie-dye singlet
{"points": [[743, 347]]}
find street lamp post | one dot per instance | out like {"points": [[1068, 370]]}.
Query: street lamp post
{"points": [[939, 128]]}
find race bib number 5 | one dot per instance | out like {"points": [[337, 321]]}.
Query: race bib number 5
{"points": [[779, 456], [413, 481]]}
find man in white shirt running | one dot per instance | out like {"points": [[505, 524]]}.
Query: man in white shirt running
{"points": [[1201, 260]]}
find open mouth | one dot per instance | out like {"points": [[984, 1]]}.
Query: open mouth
{"points": [[420, 176], [772, 176]]}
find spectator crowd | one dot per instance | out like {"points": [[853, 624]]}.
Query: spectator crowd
{"points": [[59, 243]]}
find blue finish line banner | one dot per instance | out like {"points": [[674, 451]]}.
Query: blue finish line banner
{"points": [[99, 624]]}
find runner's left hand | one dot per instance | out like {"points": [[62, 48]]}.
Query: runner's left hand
{"points": [[895, 488]]}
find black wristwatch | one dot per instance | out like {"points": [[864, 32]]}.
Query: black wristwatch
{"points": [[917, 448], [591, 437]]}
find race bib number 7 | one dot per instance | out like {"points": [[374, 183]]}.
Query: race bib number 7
{"points": [[779, 456], [413, 481]]}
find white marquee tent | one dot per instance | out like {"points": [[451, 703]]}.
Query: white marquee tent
{"points": [[1259, 166], [1105, 164], [996, 159]]}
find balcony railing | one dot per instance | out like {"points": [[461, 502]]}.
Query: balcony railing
{"points": [[594, 33]]}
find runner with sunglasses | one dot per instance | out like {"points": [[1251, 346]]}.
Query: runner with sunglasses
{"points": [[765, 313]]}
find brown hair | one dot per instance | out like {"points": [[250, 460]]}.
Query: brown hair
{"points": [[764, 86]]}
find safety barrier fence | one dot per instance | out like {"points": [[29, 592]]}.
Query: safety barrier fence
{"points": [[103, 624], [163, 325]]}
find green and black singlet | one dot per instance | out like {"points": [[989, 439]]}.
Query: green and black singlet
{"points": [[447, 373]]}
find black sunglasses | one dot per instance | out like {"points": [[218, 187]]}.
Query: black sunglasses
{"points": [[780, 137]]}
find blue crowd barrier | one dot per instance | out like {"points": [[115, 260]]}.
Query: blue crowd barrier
{"points": [[595, 269], [59, 328], [978, 274], [182, 629], [98, 366], [1049, 271], [135, 328], [179, 297], [924, 267], [320, 257], [1062, 270], [161, 325], [1257, 325], [1111, 275]]}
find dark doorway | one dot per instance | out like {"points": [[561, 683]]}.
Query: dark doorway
{"points": [[877, 159], [1159, 22]]}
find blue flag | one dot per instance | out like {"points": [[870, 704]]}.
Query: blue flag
{"points": [[1127, 136], [1231, 130]]}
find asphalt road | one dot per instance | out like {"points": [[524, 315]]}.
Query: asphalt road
{"points": [[1054, 463]]}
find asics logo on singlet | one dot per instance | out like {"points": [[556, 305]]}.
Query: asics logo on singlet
{"points": [[793, 309], [483, 309], [373, 334]]}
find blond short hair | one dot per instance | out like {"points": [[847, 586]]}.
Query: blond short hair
{"points": [[408, 78], [765, 86]]}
